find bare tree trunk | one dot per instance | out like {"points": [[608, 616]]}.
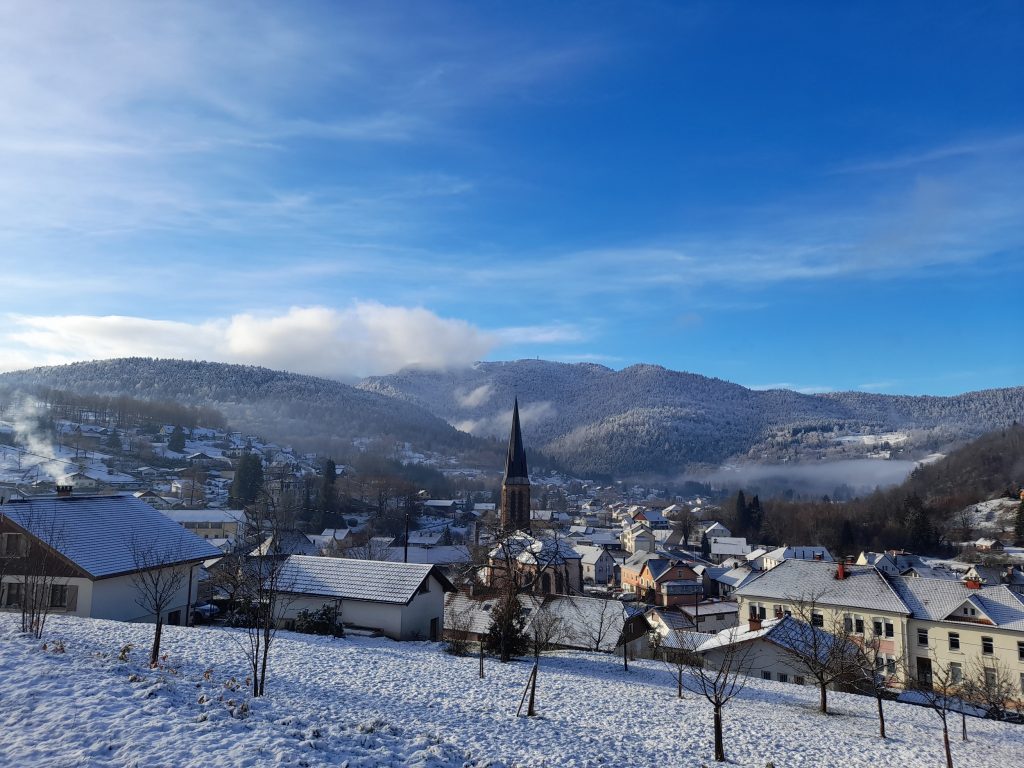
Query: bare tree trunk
{"points": [[154, 654], [719, 742], [481, 659], [531, 710], [945, 743], [679, 682], [625, 657], [881, 717], [823, 703], [963, 726]]}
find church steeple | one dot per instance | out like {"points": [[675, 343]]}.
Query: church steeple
{"points": [[515, 461], [515, 485]]}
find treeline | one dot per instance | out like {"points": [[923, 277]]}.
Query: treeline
{"points": [[123, 411], [918, 515]]}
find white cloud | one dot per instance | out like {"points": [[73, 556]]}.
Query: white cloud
{"points": [[364, 339]]}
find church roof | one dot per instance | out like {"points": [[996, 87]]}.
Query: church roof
{"points": [[515, 461]]}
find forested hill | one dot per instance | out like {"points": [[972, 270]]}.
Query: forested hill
{"points": [[986, 467], [287, 407], [648, 418]]}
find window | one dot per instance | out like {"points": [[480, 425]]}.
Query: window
{"points": [[954, 641], [888, 629], [922, 637], [1020, 651], [1022, 682], [956, 672], [799, 680], [986, 646], [13, 545], [890, 665], [817, 619], [783, 677], [858, 625], [58, 596], [876, 625], [848, 623], [13, 594], [990, 679], [766, 675]]}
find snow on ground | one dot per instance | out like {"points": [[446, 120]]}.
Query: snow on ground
{"points": [[374, 702]]}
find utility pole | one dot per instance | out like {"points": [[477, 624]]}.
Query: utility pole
{"points": [[405, 555]]}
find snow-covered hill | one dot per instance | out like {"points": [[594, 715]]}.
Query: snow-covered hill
{"points": [[648, 418], [368, 702]]}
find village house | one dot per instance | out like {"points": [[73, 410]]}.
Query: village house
{"points": [[781, 554], [403, 601], [597, 564], [637, 537], [209, 523], [93, 548]]}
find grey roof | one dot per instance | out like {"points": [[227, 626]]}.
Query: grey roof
{"points": [[735, 577], [936, 599], [864, 587], [371, 580], [591, 555], [787, 632], [99, 533], [799, 553]]}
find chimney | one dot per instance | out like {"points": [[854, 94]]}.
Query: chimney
{"points": [[972, 582], [63, 491], [841, 570], [755, 622]]}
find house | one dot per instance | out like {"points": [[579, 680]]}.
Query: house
{"points": [[333, 541], [653, 518], [442, 507], [210, 523], [586, 623], [597, 564], [732, 579], [157, 501], [92, 549], [1010, 575], [897, 562], [766, 648], [403, 601], [781, 554], [989, 545], [728, 546], [831, 596], [961, 624], [668, 581], [638, 537], [285, 543], [80, 481], [710, 615]]}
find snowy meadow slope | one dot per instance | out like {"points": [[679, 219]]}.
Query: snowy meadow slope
{"points": [[369, 702]]}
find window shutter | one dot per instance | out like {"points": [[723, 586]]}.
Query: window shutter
{"points": [[72, 598]]}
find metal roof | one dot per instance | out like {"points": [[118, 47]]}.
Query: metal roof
{"points": [[101, 534], [375, 581]]}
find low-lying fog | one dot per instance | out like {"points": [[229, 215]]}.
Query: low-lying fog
{"points": [[842, 478]]}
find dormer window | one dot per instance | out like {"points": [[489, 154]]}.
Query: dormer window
{"points": [[13, 545]]}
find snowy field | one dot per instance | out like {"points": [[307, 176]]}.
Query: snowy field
{"points": [[370, 702]]}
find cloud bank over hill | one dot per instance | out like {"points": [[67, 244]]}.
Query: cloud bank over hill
{"points": [[363, 339]]}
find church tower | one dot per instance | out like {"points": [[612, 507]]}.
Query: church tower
{"points": [[515, 485]]}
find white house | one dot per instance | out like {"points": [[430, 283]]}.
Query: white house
{"points": [[404, 601], [597, 563], [95, 546], [782, 554]]}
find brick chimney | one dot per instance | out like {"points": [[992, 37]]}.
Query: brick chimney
{"points": [[972, 583], [841, 570], [755, 621], [63, 491]]}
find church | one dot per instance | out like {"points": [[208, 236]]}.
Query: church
{"points": [[546, 564]]}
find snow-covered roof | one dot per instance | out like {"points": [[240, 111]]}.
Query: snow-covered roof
{"points": [[590, 555], [100, 533], [937, 599], [863, 587], [734, 577], [205, 515], [786, 632], [342, 578], [800, 553]]}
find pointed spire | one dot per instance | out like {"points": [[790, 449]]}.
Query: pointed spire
{"points": [[515, 461]]}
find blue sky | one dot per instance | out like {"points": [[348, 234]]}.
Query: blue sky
{"points": [[786, 194]]}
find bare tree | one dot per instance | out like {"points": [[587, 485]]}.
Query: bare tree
{"points": [[992, 686], [35, 569], [458, 624], [875, 672], [265, 591], [720, 682], [599, 620], [157, 579], [371, 548], [547, 632], [821, 649], [676, 651], [942, 697]]}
